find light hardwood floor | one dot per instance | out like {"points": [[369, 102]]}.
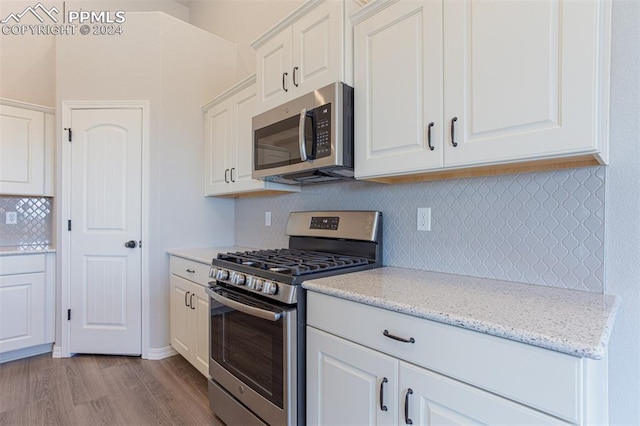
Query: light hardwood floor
{"points": [[103, 390]]}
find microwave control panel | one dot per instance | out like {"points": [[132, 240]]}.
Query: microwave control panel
{"points": [[323, 130]]}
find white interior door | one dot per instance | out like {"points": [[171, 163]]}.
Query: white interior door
{"points": [[106, 213]]}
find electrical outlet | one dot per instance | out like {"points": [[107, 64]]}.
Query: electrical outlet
{"points": [[12, 218], [424, 219], [267, 218]]}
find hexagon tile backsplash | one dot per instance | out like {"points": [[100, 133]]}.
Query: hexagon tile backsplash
{"points": [[542, 228]]}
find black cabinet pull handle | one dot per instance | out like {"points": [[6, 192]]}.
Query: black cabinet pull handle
{"points": [[284, 76], [453, 129], [191, 271], [226, 175], [382, 406], [232, 178], [295, 83], [185, 298], [399, 339], [429, 135], [191, 301], [407, 420]]}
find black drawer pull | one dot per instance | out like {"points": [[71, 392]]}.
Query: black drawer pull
{"points": [[399, 339], [407, 420], [191, 271], [382, 406]]}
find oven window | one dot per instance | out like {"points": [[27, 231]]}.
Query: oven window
{"points": [[251, 349]]}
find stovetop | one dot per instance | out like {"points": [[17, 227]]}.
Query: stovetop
{"points": [[293, 261], [321, 244]]}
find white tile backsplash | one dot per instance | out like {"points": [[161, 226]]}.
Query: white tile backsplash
{"points": [[541, 228], [34, 224]]}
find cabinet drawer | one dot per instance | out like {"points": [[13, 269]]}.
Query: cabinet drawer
{"points": [[547, 380], [190, 270], [22, 264]]}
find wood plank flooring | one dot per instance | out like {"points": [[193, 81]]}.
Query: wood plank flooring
{"points": [[103, 390]]}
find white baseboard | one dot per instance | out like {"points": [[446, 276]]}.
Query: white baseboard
{"points": [[57, 352], [25, 353], [161, 353]]}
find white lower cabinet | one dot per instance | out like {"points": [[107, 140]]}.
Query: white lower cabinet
{"points": [[190, 312], [350, 384], [439, 374], [26, 305]]}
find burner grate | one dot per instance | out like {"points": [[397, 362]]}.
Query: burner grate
{"points": [[292, 261]]}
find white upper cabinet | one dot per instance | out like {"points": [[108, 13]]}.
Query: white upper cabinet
{"points": [[305, 51], [398, 89], [502, 83], [228, 145], [26, 149]]}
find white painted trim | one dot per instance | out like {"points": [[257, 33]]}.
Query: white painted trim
{"points": [[25, 353], [243, 84], [57, 352], [369, 10], [286, 22], [155, 354], [25, 105], [64, 207]]}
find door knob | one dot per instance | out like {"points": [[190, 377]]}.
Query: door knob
{"points": [[131, 244]]}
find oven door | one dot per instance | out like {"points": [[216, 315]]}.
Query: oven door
{"points": [[253, 353]]}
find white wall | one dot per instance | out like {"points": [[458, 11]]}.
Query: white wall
{"points": [[622, 213], [27, 63], [240, 21], [178, 68]]}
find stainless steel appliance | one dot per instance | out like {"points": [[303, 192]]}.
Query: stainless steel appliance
{"points": [[258, 315], [308, 139]]}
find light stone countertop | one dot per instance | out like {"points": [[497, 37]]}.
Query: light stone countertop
{"points": [[205, 254], [20, 250], [574, 322]]}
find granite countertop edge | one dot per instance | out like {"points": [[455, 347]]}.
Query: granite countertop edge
{"points": [[204, 254], [559, 344], [25, 250]]}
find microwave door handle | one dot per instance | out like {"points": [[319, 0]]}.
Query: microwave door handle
{"points": [[249, 310], [301, 141]]}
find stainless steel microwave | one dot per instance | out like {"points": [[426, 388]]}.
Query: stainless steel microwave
{"points": [[306, 140]]}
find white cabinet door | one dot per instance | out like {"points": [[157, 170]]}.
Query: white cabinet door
{"points": [[520, 78], [229, 144], [398, 89], [347, 383], [218, 141], [274, 71], [180, 316], [22, 151], [22, 311], [318, 48], [311, 52], [427, 398], [201, 317], [244, 104]]}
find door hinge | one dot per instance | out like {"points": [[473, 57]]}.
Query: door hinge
{"points": [[70, 132], [68, 314], [69, 225]]}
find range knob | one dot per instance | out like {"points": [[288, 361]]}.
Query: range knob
{"points": [[212, 272], [257, 284], [222, 274], [269, 287], [238, 279]]}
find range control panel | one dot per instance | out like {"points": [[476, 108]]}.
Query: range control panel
{"points": [[320, 222]]}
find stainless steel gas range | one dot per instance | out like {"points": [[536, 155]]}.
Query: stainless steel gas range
{"points": [[258, 315]]}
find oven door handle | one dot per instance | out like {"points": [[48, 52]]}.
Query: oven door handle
{"points": [[249, 310]]}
